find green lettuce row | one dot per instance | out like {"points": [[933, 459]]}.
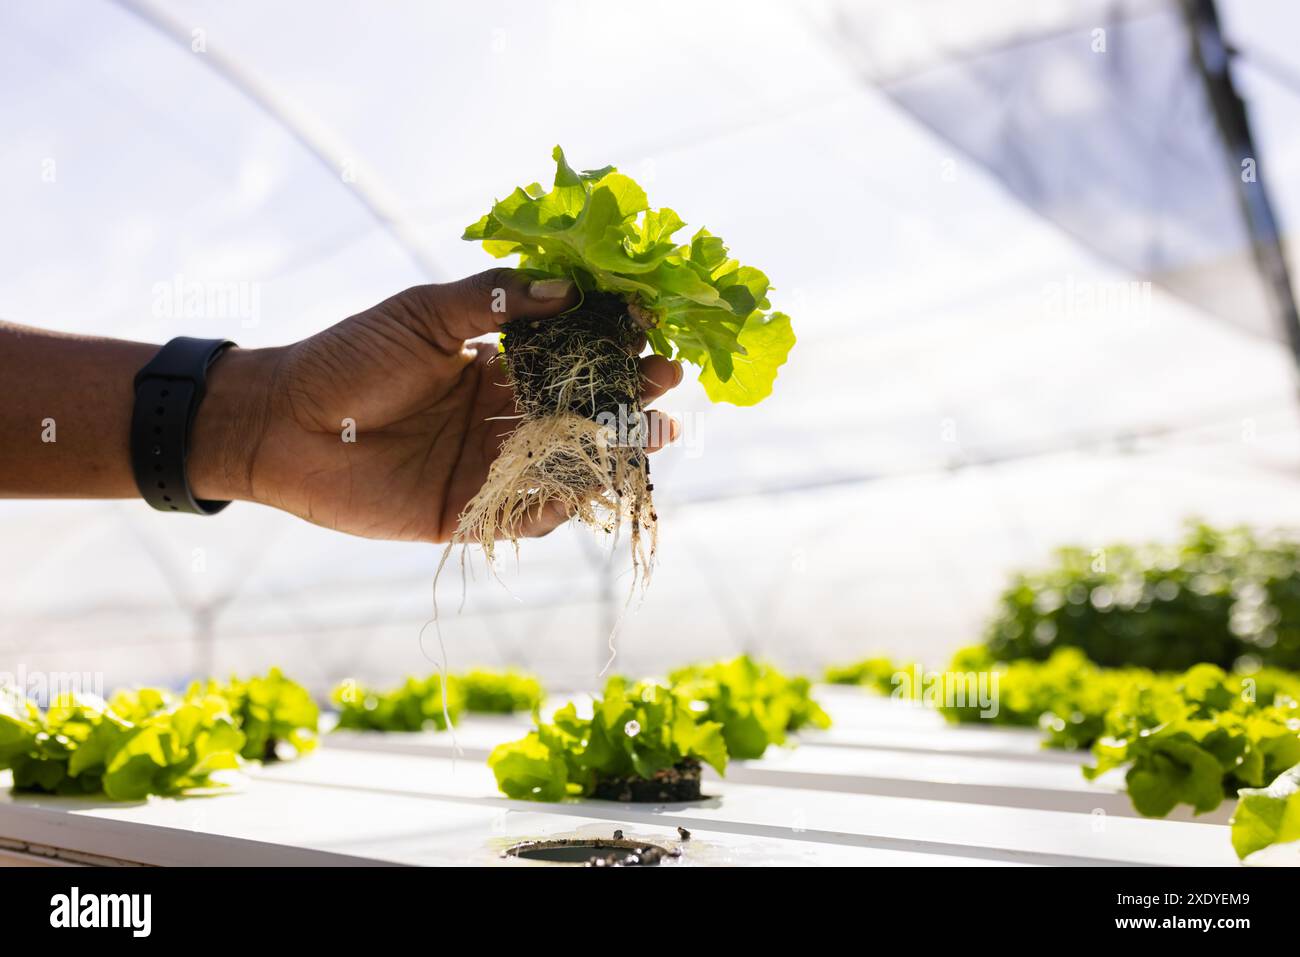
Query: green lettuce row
{"points": [[597, 228], [1067, 697], [1229, 597], [416, 705], [880, 674], [1196, 739], [499, 692], [146, 743], [628, 734], [149, 741], [1189, 738]]}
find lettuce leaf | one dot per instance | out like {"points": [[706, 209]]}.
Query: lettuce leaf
{"points": [[1267, 816], [706, 308]]}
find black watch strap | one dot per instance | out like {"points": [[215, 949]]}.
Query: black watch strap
{"points": [[168, 391]]}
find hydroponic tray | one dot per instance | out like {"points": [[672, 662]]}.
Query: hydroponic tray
{"points": [[402, 799]]}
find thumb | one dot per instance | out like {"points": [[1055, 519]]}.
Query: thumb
{"points": [[476, 305]]}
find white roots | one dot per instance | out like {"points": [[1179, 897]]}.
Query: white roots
{"points": [[560, 461], [570, 462]]}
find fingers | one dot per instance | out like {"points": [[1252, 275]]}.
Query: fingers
{"points": [[663, 429], [545, 520], [658, 375], [476, 305]]}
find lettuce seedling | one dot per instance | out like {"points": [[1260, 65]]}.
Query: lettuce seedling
{"points": [[581, 436], [643, 746]]}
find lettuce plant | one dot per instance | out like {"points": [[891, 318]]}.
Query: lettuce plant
{"points": [[754, 702], [278, 716], [698, 303], [416, 705], [581, 435], [631, 734], [877, 673], [498, 692]]}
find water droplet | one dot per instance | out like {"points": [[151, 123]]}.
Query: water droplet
{"points": [[632, 728]]}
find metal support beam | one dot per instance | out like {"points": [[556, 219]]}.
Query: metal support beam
{"points": [[1212, 57]]}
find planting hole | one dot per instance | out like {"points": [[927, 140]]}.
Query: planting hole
{"points": [[593, 853]]}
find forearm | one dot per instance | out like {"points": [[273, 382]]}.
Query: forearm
{"points": [[65, 417]]}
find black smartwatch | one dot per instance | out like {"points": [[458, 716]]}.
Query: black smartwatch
{"points": [[168, 391]]}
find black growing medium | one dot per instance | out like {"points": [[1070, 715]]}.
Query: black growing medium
{"points": [[681, 782], [600, 330]]}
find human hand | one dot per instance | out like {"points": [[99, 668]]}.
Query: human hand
{"points": [[428, 409]]}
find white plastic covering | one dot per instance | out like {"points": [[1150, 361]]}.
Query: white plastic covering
{"points": [[970, 389]]}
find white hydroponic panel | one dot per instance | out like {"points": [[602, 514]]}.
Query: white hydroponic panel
{"points": [[987, 832], [276, 822]]}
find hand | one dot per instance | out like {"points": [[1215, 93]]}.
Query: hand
{"points": [[430, 412]]}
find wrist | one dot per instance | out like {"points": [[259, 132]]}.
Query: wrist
{"points": [[230, 424]]}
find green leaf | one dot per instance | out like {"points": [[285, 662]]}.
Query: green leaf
{"points": [[1180, 772], [710, 746], [132, 775], [1267, 816], [766, 341], [529, 770], [19, 725], [745, 736], [106, 738]]}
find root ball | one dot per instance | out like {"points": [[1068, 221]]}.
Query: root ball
{"points": [[580, 442]]}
